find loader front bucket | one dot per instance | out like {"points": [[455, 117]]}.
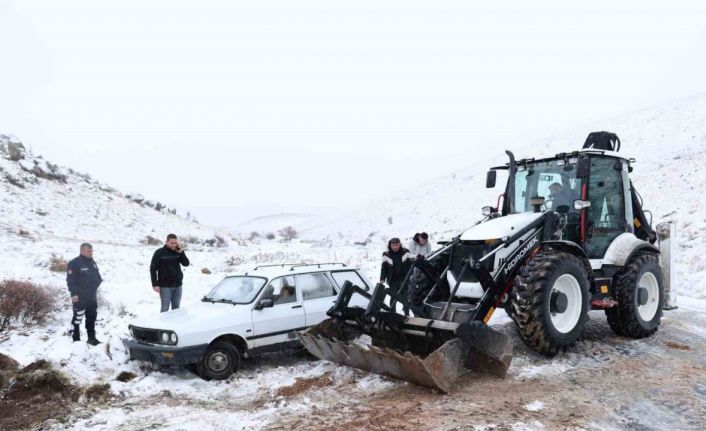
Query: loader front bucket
{"points": [[474, 348]]}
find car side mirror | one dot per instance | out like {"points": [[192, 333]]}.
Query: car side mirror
{"points": [[583, 166], [581, 204], [265, 303], [490, 179]]}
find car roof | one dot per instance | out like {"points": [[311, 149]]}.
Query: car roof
{"points": [[280, 270]]}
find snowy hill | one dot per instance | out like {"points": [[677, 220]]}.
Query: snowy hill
{"points": [[41, 200]]}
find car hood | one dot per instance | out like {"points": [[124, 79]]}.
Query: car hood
{"points": [[197, 317], [500, 227]]}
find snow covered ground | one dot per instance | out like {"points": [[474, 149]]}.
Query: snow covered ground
{"points": [[43, 217]]}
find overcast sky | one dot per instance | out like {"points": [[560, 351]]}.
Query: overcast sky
{"points": [[294, 105]]}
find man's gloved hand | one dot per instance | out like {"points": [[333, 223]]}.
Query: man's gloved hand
{"points": [[155, 288], [74, 299]]}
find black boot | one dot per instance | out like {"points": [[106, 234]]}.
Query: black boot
{"points": [[75, 333], [92, 340]]}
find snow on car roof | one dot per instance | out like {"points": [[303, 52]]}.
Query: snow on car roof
{"points": [[277, 270]]}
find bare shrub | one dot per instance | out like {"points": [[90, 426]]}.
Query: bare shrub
{"points": [[234, 261], [254, 235], [150, 240], [288, 233], [205, 270], [270, 236], [14, 181], [57, 263], [26, 302], [191, 239]]}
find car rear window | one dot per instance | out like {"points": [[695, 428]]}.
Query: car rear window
{"points": [[342, 276]]}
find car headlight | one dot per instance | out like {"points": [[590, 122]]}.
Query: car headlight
{"points": [[168, 337]]}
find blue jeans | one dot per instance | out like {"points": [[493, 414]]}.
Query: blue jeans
{"points": [[170, 295]]}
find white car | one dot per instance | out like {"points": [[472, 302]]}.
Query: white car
{"points": [[250, 312]]}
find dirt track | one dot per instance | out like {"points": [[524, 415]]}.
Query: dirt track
{"points": [[605, 382]]}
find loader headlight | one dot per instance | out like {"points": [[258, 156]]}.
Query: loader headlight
{"points": [[486, 211]]}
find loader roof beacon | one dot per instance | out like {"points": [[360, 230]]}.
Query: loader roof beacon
{"points": [[570, 236]]}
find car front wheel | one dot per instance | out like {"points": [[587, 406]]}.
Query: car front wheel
{"points": [[220, 361]]}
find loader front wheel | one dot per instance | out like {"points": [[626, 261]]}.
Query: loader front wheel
{"points": [[550, 301], [639, 290]]}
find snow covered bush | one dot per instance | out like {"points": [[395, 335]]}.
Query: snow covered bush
{"points": [[288, 233], [57, 263], [26, 302], [150, 240], [191, 239]]}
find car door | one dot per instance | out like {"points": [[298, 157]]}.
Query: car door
{"points": [[607, 215], [278, 324], [319, 295]]}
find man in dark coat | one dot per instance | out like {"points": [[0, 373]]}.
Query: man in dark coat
{"points": [[166, 274], [396, 261], [83, 279]]}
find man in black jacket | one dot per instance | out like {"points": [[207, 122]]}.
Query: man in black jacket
{"points": [[83, 279], [396, 261], [165, 271]]}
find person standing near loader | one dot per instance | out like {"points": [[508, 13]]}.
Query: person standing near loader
{"points": [[166, 274], [83, 279], [396, 261], [420, 245]]}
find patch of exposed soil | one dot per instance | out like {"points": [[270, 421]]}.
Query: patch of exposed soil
{"points": [[604, 382], [677, 346], [39, 392], [36, 393], [302, 385]]}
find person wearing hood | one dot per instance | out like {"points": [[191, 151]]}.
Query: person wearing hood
{"points": [[396, 261], [420, 245]]}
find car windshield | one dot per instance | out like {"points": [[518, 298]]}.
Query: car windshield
{"points": [[553, 180], [239, 290]]}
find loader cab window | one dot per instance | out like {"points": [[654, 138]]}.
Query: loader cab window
{"points": [[554, 180], [607, 216]]}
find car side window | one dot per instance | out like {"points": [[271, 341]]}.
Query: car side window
{"points": [[341, 277], [314, 286], [282, 290]]}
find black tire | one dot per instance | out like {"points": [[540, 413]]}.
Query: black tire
{"points": [[532, 297], [625, 318], [220, 361]]}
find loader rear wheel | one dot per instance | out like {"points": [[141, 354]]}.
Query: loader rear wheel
{"points": [[639, 291], [550, 301]]}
